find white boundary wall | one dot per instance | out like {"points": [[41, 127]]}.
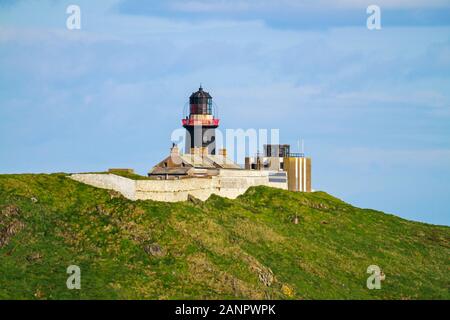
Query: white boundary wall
{"points": [[108, 181], [229, 183]]}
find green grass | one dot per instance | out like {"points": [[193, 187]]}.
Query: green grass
{"points": [[129, 175], [125, 174], [212, 250]]}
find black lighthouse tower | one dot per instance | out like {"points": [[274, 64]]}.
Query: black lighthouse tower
{"points": [[201, 122]]}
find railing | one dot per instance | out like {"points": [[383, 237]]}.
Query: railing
{"points": [[288, 155], [200, 122], [296, 155]]}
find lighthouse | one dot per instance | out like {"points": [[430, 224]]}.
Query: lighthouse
{"points": [[201, 123]]}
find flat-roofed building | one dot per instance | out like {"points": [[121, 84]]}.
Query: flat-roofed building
{"points": [[278, 158]]}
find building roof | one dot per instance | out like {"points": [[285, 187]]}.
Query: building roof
{"points": [[181, 164], [170, 171], [198, 161], [209, 161], [200, 94], [223, 162]]}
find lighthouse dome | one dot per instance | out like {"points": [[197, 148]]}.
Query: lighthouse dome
{"points": [[200, 94], [200, 102]]}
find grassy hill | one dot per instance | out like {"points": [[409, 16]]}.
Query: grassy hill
{"points": [[231, 249]]}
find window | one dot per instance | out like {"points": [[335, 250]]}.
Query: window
{"points": [[209, 106]]}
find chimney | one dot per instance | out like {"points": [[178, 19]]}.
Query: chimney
{"points": [[174, 151], [248, 165], [223, 152], [195, 151]]}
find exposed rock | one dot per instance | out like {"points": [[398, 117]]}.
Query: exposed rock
{"points": [[35, 256], [102, 210], [194, 200], [114, 194], [39, 294], [265, 274], [317, 205], [154, 250], [321, 206]]}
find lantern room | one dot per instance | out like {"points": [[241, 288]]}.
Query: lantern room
{"points": [[201, 110]]}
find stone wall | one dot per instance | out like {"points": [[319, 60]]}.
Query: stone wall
{"points": [[109, 181], [228, 183], [175, 190]]}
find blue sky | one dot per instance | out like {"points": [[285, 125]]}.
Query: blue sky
{"points": [[372, 106]]}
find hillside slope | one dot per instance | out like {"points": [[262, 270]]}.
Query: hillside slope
{"points": [[243, 248]]}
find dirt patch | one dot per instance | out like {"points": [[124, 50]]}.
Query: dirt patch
{"points": [[10, 224]]}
